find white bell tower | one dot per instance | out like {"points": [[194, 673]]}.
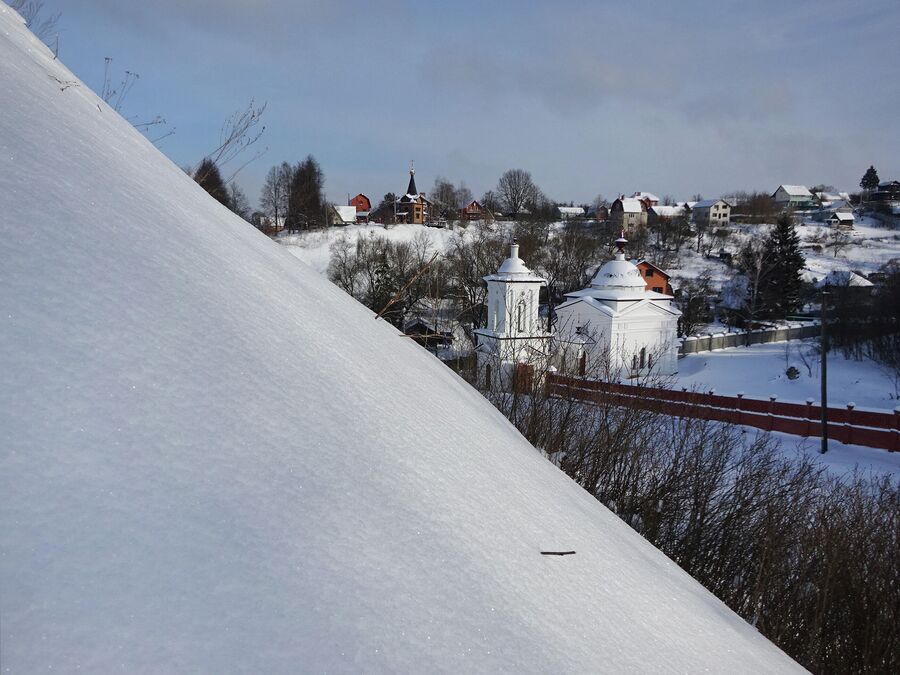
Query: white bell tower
{"points": [[514, 332]]}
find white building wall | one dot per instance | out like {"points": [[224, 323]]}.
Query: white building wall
{"points": [[513, 333], [612, 342]]}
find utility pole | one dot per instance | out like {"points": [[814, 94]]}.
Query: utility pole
{"points": [[824, 370]]}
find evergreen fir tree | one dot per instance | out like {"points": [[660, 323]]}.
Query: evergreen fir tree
{"points": [[208, 177], [870, 179], [306, 202], [781, 288]]}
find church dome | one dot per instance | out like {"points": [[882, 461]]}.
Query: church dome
{"points": [[514, 269], [619, 274]]}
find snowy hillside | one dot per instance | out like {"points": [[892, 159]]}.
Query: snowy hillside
{"points": [[314, 248], [213, 460], [869, 245]]}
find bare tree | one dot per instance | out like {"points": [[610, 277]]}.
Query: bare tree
{"points": [[273, 198], [239, 133], [31, 10], [464, 196], [443, 194], [516, 189], [693, 301], [238, 201], [838, 240]]}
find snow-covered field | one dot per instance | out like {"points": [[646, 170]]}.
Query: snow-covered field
{"points": [[314, 248], [213, 460], [759, 371]]}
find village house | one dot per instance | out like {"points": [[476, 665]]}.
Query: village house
{"points": [[600, 213], [888, 194], [627, 214], [827, 199], [617, 328], [363, 207], [846, 279], [475, 211], [412, 207], [793, 197], [569, 212], [655, 278], [341, 215], [842, 220], [428, 333], [648, 198], [712, 213], [660, 214]]}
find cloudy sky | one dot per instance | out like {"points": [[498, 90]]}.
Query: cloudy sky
{"points": [[596, 97]]}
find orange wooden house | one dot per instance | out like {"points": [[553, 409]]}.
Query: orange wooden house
{"points": [[655, 278], [475, 211]]}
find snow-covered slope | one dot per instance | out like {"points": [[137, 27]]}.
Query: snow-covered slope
{"points": [[213, 460]]}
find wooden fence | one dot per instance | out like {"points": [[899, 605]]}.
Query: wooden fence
{"points": [[847, 425]]}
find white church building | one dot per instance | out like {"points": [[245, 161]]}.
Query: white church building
{"points": [[514, 333], [617, 328]]}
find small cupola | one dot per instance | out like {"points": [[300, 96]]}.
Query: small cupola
{"points": [[619, 273]]}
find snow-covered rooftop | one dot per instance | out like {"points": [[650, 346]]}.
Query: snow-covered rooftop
{"points": [[645, 195], [630, 205], [347, 214], [667, 211], [843, 278], [707, 203], [214, 460], [796, 190]]}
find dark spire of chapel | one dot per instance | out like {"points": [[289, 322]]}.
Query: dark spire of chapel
{"points": [[411, 188]]}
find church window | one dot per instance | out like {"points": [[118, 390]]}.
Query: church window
{"points": [[643, 356], [520, 316]]}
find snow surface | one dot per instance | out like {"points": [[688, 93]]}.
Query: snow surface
{"points": [[213, 460], [314, 247], [759, 371]]}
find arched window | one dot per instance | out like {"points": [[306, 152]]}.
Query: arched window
{"points": [[520, 316], [643, 357]]}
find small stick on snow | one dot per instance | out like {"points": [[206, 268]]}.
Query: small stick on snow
{"points": [[557, 552]]}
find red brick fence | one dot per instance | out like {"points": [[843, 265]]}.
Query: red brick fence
{"points": [[847, 425]]}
